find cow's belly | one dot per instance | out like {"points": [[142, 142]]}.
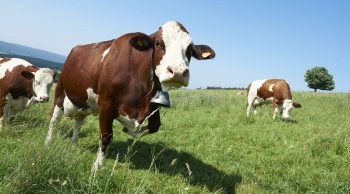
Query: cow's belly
{"points": [[70, 110], [259, 101], [16, 105]]}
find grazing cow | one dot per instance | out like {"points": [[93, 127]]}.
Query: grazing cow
{"points": [[117, 79], [21, 83], [275, 90]]}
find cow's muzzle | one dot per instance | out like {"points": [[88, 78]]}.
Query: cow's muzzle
{"points": [[177, 76], [43, 99]]}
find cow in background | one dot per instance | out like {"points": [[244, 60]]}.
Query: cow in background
{"points": [[275, 90], [21, 84], [117, 79]]}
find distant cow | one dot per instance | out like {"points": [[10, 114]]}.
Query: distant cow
{"points": [[275, 90], [118, 78], [21, 83]]}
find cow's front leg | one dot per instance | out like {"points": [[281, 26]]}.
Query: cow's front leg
{"points": [[154, 120], [106, 117], [9, 114]]}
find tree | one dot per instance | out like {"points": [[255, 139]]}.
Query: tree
{"points": [[319, 78]]}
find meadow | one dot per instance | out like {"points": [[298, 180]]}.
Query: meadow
{"points": [[205, 144]]}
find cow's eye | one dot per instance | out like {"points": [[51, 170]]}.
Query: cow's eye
{"points": [[37, 82], [160, 44]]}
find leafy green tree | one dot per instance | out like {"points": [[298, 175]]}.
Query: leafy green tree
{"points": [[319, 78]]}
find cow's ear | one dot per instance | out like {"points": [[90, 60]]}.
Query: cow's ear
{"points": [[202, 52], [53, 72], [141, 42], [27, 74]]}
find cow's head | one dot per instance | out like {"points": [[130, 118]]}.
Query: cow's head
{"points": [[173, 49], [42, 82], [288, 105]]}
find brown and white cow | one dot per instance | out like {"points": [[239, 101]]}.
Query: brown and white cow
{"points": [[117, 79], [21, 83], [275, 90]]}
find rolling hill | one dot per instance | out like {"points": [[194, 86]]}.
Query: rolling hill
{"points": [[16, 49], [36, 61], [37, 57]]}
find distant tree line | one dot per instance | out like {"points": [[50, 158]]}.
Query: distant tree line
{"points": [[224, 88]]}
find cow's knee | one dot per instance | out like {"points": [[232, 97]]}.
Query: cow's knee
{"points": [[106, 140]]}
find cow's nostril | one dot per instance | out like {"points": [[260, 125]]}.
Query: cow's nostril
{"points": [[185, 73], [170, 70]]}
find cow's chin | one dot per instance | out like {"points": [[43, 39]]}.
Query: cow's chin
{"points": [[173, 84]]}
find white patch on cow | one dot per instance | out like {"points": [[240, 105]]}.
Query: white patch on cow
{"points": [[72, 111], [42, 83], [105, 54], [130, 124], [14, 106], [92, 102], [287, 106], [252, 97], [57, 113], [99, 158], [270, 88], [12, 63], [176, 42]]}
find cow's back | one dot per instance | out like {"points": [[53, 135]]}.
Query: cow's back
{"points": [[276, 88], [8, 64]]}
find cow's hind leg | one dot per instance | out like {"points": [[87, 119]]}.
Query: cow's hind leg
{"points": [[56, 115], [77, 125]]}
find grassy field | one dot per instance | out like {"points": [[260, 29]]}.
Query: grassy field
{"points": [[206, 144]]}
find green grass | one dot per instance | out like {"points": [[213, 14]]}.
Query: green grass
{"points": [[206, 144]]}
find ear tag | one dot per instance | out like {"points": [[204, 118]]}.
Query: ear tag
{"points": [[139, 42], [206, 54]]}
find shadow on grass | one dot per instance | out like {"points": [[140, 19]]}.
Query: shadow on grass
{"points": [[292, 121], [172, 162]]}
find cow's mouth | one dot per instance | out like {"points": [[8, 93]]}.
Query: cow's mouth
{"points": [[174, 84]]}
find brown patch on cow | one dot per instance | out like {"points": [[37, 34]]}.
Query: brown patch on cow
{"points": [[15, 84], [280, 92], [4, 60]]}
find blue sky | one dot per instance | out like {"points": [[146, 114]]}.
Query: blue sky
{"points": [[252, 39]]}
